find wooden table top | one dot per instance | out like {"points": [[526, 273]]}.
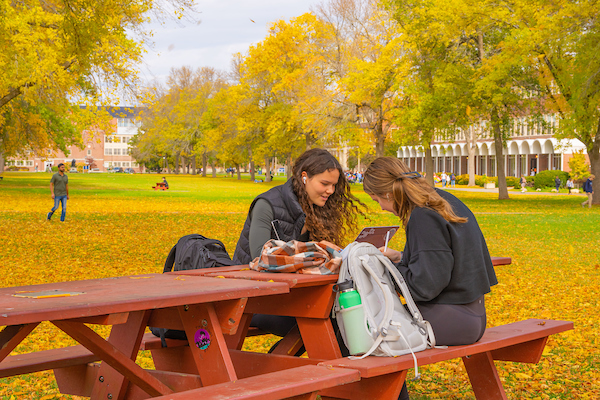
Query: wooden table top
{"points": [[76, 299]]}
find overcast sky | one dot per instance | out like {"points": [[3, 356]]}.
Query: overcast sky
{"points": [[226, 27]]}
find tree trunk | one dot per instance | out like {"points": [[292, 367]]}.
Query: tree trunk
{"points": [[499, 147], [309, 140], [177, 156], [267, 169], [471, 164], [594, 155], [288, 166], [194, 172], [379, 140], [204, 162], [239, 173], [252, 177], [214, 169], [1, 161], [429, 166]]}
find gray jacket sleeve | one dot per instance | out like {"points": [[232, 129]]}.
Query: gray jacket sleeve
{"points": [[260, 226]]}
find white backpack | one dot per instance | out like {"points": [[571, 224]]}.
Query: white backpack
{"points": [[389, 329]]}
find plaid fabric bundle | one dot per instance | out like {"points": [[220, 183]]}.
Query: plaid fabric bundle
{"points": [[315, 258]]}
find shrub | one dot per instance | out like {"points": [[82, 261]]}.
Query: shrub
{"points": [[546, 178], [462, 179], [513, 181]]}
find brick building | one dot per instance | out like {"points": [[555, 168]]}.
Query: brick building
{"points": [[108, 150]]}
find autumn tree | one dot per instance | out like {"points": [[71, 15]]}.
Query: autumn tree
{"points": [[562, 38], [56, 54]]}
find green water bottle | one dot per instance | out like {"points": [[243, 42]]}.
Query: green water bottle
{"points": [[352, 316]]}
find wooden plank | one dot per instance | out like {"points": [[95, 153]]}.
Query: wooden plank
{"points": [[273, 386], [125, 338], [378, 387], [110, 319], [12, 335], [308, 302], [319, 338], [124, 294], [113, 357], [484, 377], [494, 338], [501, 261], [229, 312], [44, 360], [243, 272], [290, 344], [207, 344]]}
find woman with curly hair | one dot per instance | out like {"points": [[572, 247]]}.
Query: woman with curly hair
{"points": [[315, 204], [445, 263]]}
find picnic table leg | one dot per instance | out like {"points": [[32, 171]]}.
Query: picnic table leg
{"points": [[236, 341], [319, 338], [129, 338], [484, 377], [207, 344], [12, 335]]}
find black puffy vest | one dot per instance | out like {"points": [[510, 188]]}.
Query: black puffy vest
{"points": [[286, 209]]}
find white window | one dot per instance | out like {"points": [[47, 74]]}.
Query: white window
{"points": [[117, 164], [20, 162], [108, 152], [29, 163], [106, 164], [125, 164], [89, 152], [125, 139], [134, 164], [108, 139], [117, 152]]}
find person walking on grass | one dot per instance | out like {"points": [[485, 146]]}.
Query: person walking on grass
{"points": [[557, 183], [587, 188], [59, 188]]}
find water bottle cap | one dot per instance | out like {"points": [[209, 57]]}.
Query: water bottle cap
{"points": [[346, 285]]}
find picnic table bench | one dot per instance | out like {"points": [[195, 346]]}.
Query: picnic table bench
{"points": [[382, 377], [160, 186]]}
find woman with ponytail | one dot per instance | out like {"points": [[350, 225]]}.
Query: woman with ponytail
{"points": [[446, 263]]}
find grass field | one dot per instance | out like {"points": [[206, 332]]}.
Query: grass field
{"points": [[117, 225]]}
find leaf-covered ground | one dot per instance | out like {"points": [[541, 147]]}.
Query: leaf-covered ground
{"points": [[117, 225]]}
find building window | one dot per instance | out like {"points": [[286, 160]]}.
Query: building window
{"points": [[117, 152], [108, 139], [512, 166], [89, 152], [134, 164], [108, 152], [20, 162], [125, 139], [125, 164], [29, 163], [556, 161]]}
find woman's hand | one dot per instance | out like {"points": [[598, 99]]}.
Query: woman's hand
{"points": [[395, 256]]}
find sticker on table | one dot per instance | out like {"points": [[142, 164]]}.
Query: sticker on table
{"points": [[46, 294], [202, 339]]}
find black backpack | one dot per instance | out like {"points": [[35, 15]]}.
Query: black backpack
{"points": [[192, 252], [196, 251]]}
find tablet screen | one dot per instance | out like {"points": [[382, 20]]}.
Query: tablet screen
{"points": [[376, 235]]}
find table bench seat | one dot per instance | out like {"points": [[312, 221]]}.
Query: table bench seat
{"points": [[298, 383], [522, 341]]}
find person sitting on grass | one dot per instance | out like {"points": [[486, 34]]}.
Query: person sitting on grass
{"points": [[165, 182], [314, 204], [446, 263]]}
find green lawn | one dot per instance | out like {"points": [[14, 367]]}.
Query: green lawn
{"points": [[117, 225]]}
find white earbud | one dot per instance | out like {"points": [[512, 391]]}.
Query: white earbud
{"points": [[304, 179]]}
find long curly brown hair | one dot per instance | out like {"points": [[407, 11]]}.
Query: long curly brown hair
{"points": [[389, 175], [339, 214]]}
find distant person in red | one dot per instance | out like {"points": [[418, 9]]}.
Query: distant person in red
{"points": [[59, 188]]}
